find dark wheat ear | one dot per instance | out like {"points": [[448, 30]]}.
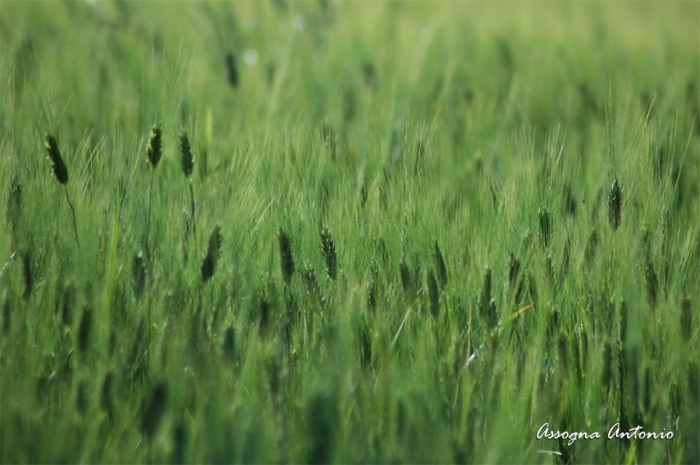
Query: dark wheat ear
{"points": [[61, 172], [209, 263], [286, 259], [545, 225], [186, 160], [328, 252], [84, 331], [615, 205], [187, 163], [313, 291], [155, 145], [231, 70], [153, 408], [154, 151], [138, 274], [13, 207], [59, 167], [440, 264], [487, 304]]}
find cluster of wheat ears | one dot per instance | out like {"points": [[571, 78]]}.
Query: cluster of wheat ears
{"points": [[154, 152]]}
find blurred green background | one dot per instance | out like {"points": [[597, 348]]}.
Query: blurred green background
{"points": [[464, 158]]}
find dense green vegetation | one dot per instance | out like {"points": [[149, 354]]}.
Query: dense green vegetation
{"points": [[348, 232]]}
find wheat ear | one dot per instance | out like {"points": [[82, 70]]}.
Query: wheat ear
{"points": [[187, 163], [153, 152], [61, 172]]}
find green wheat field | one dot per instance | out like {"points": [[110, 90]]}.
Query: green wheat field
{"points": [[349, 232]]}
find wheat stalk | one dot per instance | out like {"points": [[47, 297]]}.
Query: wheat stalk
{"points": [[154, 151], [545, 225], [187, 163], [61, 172]]}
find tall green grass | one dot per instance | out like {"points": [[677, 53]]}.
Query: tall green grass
{"points": [[434, 228]]}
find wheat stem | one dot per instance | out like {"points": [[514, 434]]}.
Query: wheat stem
{"points": [[149, 325], [194, 222], [150, 204], [2, 270], [75, 226]]}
